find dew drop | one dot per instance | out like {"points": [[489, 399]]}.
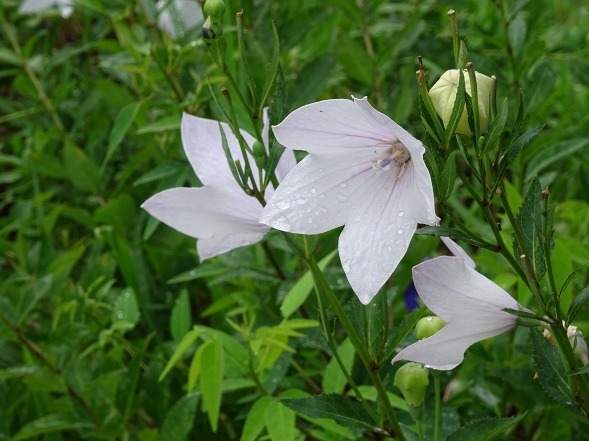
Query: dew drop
{"points": [[343, 185], [283, 204], [127, 294], [313, 190], [341, 197], [310, 220], [399, 231], [119, 315], [401, 213], [300, 199]]}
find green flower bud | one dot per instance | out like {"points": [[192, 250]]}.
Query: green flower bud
{"points": [[428, 326], [259, 154], [214, 9], [443, 96], [578, 343], [412, 380]]}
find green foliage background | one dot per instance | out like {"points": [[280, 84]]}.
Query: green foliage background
{"points": [[96, 296]]}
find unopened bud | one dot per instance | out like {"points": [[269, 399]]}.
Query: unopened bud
{"points": [[428, 326], [443, 96], [259, 154], [578, 343], [412, 380], [214, 10]]}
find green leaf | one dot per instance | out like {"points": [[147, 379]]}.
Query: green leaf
{"points": [[181, 317], [457, 109], [211, 380], [550, 370], [50, 423], [452, 233], [578, 303], [280, 422], [83, 173], [272, 67], [180, 419], [493, 136], [255, 420], [182, 347], [555, 153], [344, 410], [448, 177], [120, 127], [195, 367], [166, 124], [126, 310], [334, 380], [529, 222], [485, 429], [297, 295], [516, 34]]}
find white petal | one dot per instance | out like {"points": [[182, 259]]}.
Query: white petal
{"points": [[445, 349], [331, 127], [206, 212], [179, 16], [29, 6], [203, 145], [319, 194], [377, 236], [216, 245], [452, 289], [421, 180], [458, 251]]}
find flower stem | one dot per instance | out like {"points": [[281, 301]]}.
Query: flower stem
{"points": [[438, 406], [372, 367]]}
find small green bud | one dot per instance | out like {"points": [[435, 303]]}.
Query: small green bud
{"points": [[214, 9], [428, 326], [412, 380], [260, 155], [443, 96]]}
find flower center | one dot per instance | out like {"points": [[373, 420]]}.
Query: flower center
{"points": [[398, 154]]}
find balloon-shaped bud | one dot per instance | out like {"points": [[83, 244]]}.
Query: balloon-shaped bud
{"points": [[443, 96], [412, 380], [259, 154], [428, 326]]}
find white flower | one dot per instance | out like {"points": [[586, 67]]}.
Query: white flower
{"points": [[219, 214], [31, 6], [178, 16], [469, 303], [363, 170]]}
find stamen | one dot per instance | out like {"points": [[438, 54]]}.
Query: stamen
{"points": [[399, 154]]}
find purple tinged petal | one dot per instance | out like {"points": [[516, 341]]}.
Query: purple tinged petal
{"points": [[206, 212], [203, 145], [470, 304], [350, 177]]}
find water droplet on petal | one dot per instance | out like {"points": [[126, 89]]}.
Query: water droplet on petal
{"points": [[300, 199], [283, 204], [343, 185], [313, 190], [399, 231], [401, 213], [316, 213], [310, 220], [341, 197]]}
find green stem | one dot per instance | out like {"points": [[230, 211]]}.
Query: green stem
{"points": [[38, 352], [438, 406], [577, 383], [331, 344], [35, 80], [372, 367]]}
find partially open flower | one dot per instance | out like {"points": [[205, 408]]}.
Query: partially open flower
{"points": [[219, 214], [470, 304], [443, 96]]}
